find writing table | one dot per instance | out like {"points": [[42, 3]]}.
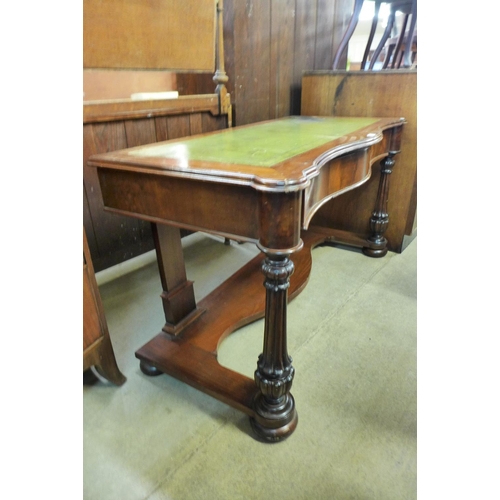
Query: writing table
{"points": [[260, 183]]}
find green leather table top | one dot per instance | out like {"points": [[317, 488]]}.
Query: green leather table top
{"points": [[263, 144]]}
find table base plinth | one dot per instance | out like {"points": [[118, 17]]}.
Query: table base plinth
{"points": [[191, 356]]}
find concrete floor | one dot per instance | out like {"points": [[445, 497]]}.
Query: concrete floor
{"points": [[353, 338]]}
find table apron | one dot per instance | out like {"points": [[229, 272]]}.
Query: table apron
{"points": [[240, 212]]}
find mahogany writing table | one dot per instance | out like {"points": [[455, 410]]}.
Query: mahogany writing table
{"points": [[260, 183]]}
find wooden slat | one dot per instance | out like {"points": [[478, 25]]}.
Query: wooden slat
{"points": [[195, 123], [252, 65], [323, 52], [304, 46], [282, 57], [161, 127], [178, 126], [140, 132], [211, 123]]}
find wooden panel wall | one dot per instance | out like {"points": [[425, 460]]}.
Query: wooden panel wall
{"points": [[268, 44], [112, 238], [273, 43]]}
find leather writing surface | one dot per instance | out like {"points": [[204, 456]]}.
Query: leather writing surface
{"points": [[262, 145], [157, 34]]}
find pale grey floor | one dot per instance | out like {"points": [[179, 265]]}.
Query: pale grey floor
{"points": [[353, 338]]}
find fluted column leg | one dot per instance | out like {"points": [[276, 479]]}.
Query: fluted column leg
{"points": [[275, 416], [380, 217]]}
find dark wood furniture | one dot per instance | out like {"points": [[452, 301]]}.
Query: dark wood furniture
{"points": [[370, 93], [97, 348], [261, 183]]}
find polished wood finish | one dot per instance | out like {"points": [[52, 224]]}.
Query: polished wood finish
{"points": [[275, 416], [179, 304], [380, 217], [149, 35], [240, 300], [97, 348], [365, 93], [250, 183]]}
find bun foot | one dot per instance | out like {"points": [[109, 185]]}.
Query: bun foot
{"points": [[370, 252], [149, 370]]}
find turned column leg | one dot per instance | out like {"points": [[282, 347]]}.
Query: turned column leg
{"points": [[380, 218], [275, 416]]}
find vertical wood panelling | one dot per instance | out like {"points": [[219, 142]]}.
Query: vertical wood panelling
{"points": [[282, 57], [161, 128], [252, 25], [268, 45], [304, 47], [178, 126], [211, 123], [195, 125], [140, 132], [100, 138], [323, 52]]}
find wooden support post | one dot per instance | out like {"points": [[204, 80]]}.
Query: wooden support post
{"points": [[178, 300], [275, 416]]}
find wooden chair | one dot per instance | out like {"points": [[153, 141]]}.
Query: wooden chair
{"points": [[396, 49]]}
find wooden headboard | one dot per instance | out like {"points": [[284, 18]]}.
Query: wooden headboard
{"points": [[177, 35], [161, 35]]}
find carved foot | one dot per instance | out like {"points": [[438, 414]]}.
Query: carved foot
{"points": [[274, 422], [149, 370], [371, 252]]}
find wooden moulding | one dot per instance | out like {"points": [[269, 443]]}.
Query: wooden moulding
{"points": [[126, 109]]}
